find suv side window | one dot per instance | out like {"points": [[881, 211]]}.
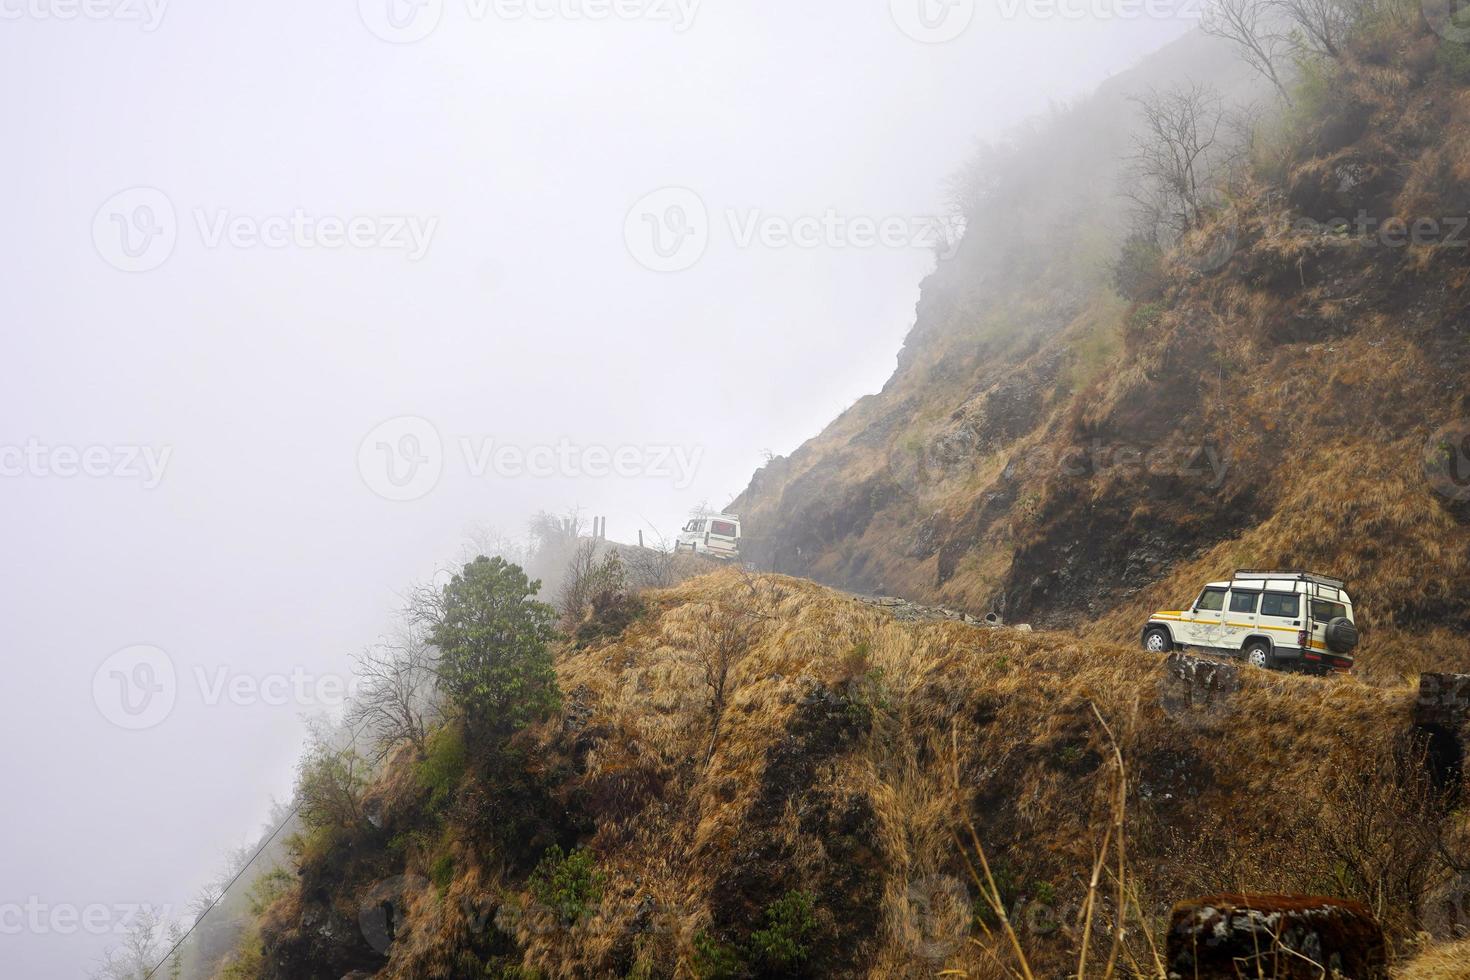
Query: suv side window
{"points": [[1279, 604], [1211, 600], [1243, 602]]}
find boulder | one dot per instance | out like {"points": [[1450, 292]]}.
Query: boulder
{"points": [[1284, 937], [1444, 702]]}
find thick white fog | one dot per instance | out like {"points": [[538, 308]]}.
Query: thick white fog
{"points": [[297, 294]]}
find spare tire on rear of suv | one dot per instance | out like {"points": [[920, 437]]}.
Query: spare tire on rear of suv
{"points": [[1341, 635]]}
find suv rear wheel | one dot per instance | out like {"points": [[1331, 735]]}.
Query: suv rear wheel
{"points": [[1257, 653]]}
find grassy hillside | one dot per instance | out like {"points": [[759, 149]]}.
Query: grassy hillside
{"points": [[808, 827], [753, 775], [1077, 447]]}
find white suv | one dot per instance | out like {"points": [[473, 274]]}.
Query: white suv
{"points": [[1272, 619], [717, 535]]}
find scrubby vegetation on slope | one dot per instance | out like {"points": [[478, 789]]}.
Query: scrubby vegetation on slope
{"points": [[761, 777]]}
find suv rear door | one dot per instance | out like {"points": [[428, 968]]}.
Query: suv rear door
{"points": [[1281, 615], [724, 536], [1324, 606]]}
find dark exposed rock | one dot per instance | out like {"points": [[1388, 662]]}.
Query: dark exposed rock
{"points": [[1224, 937]]}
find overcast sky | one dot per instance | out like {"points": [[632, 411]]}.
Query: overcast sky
{"points": [[296, 293]]}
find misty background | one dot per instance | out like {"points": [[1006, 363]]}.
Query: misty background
{"points": [[252, 510]]}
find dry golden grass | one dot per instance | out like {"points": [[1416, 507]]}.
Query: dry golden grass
{"points": [[1010, 712], [1449, 962]]}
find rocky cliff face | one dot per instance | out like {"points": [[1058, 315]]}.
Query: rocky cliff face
{"points": [[1288, 387]]}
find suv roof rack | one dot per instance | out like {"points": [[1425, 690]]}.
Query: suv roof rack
{"points": [[1295, 575]]}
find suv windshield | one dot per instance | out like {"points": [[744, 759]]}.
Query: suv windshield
{"points": [[1213, 600]]}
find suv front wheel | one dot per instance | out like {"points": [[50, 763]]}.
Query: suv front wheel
{"points": [[1157, 640], [1257, 653]]}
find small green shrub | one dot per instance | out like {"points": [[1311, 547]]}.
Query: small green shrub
{"points": [[714, 960], [441, 872], [1454, 59], [613, 611], [1005, 885], [269, 887], [1138, 272], [443, 765], [783, 944], [569, 884], [866, 696], [1144, 318]]}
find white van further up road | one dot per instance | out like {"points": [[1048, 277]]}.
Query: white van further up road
{"points": [[1294, 620], [717, 535]]}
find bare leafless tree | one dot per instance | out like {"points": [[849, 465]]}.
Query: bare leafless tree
{"points": [[1177, 156], [1247, 25], [490, 542], [1388, 836], [655, 566], [579, 582], [724, 633], [149, 935], [396, 698], [1322, 25]]}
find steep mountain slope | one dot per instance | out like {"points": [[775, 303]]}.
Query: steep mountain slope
{"points": [[753, 775], [806, 827], [1059, 452]]}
